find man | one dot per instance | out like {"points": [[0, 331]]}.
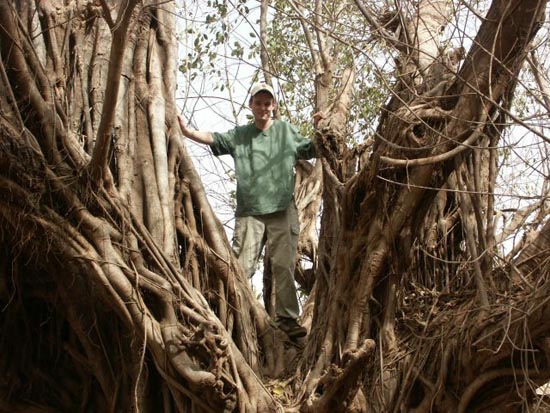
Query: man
{"points": [[265, 153]]}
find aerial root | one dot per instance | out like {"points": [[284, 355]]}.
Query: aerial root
{"points": [[339, 385]]}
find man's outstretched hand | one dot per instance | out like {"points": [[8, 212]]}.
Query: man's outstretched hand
{"points": [[183, 125], [318, 116], [202, 137]]}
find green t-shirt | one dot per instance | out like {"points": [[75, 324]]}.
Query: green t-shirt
{"points": [[264, 164]]}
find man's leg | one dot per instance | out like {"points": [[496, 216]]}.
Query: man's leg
{"points": [[248, 242], [282, 229]]}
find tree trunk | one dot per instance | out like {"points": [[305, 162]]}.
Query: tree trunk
{"points": [[114, 269]]}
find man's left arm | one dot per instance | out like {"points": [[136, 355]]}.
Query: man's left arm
{"points": [[306, 148]]}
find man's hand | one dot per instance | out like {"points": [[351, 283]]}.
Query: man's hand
{"points": [[183, 125], [318, 116], [203, 137]]}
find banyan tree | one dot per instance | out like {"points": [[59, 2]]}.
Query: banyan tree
{"points": [[427, 288]]}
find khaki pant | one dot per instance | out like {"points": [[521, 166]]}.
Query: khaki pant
{"points": [[279, 231]]}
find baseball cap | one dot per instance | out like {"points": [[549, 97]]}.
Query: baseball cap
{"points": [[262, 87]]}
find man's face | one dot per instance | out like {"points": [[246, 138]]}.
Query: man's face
{"points": [[262, 105]]}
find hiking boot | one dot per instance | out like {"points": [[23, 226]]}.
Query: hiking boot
{"points": [[291, 327]]}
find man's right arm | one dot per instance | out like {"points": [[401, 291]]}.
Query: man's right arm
{"points": [[203, 137]]}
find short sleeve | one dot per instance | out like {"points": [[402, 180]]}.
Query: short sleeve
{"points": [[305, 148], [224, 143]]}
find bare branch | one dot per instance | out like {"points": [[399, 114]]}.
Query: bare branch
{"points": [[541, 78], [264, 55], [107, 14]]}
